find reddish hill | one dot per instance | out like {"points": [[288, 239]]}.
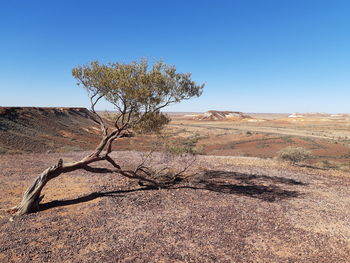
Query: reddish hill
{"points": [[31, 129]]}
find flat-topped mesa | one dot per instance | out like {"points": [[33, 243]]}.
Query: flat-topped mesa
{"points": [[214, 115], [4, 111]]}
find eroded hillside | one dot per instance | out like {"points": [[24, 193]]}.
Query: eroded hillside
{"points": [[32, 129]]}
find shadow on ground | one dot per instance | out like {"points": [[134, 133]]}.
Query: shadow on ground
{"points": [[263, 187]]}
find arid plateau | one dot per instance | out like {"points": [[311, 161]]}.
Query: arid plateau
{"points": [[237, 203]]}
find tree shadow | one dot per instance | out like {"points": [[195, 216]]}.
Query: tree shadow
{"points": [[263, 187], [89, 197], [248, 178]]}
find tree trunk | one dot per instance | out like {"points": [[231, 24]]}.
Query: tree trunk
{"points": [[31, 197]]}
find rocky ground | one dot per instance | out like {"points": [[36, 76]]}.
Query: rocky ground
{"points": [[230, 209], [40, 130]]}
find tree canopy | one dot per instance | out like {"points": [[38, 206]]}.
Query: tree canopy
{"points": [[137, 90]]}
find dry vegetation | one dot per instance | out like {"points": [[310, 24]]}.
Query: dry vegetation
{"points": [[264, 135], [326, 137], [230, 207]]}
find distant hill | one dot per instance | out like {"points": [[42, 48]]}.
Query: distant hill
{"points": [[214, 115], [31, 129]]}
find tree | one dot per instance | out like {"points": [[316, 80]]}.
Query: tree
{"points": [[138, 92]]}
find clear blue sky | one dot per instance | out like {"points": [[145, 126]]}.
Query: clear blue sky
{"points": [[253, 55]]}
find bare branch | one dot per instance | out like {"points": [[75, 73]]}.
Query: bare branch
{"points": [[128, 174], [111, 161], [103, 127]]}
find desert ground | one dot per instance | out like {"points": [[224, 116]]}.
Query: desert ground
{"points": [[237, 203], [326, 136], [263, 135]]}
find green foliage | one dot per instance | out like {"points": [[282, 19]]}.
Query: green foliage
{"points": [[294, 154], [137, 91], [152, 122], [185, 146]]}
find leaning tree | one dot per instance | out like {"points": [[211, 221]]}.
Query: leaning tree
{"points": [[138, 92]]}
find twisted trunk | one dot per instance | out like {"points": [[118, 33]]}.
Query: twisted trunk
{"points": [[31, 197]]}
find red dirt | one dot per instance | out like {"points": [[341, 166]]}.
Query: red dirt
{"points": [[268, 146], [38, 130], [232, 210]]}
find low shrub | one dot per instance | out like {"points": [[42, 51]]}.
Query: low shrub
{"points": [[294, 154]]}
